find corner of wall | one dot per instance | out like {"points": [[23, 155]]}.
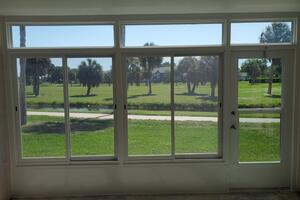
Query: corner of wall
{"points": [[5, 188]]}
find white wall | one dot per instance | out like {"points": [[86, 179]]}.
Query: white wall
{"points": [[116, 7], [4, 153]]}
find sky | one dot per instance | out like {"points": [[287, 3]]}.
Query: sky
{"points": [[135, 35]]}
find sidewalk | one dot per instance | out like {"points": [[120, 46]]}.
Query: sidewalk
{"points": [[151, 117]]}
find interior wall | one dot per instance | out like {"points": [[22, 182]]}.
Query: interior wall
{"points": [[4, 147], [117, 7]]}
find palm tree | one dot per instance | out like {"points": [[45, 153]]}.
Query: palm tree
{"points": [[278, 32], [149, 63], [90, 74]]}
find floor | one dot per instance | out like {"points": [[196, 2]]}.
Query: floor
{"points": [[231, 196]]}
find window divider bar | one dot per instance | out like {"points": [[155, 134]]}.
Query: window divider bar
{"points": [[172, 110], [67, 110]]}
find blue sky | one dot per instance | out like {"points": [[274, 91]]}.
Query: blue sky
{"points": [[135, 35]]}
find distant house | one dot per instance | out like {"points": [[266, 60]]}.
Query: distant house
{"points": [[243, 76], [160, 74]]}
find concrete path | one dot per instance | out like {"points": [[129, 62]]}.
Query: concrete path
{"points": [[151, 117]]}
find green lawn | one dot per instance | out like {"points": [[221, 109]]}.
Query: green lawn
{"points": [[249, 96], [43, 136]]}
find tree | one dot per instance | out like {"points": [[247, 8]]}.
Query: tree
{"points": [[56, 75], [108, 77], [22, 80], [36, 69], [133, 71], [210, 65], [278, 32], [72, 75], [90, 74], [254, 68], [191, 72], [149, 63]]}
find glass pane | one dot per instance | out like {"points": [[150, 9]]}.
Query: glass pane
{"points": [[41, 99], [261, 32], [149, 103], [62, 35], [173, 34], [196, 104], [91, 106], [259, 102]]}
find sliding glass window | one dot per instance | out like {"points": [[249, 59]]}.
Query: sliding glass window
{"points": [[91, 112], [41, 107]]}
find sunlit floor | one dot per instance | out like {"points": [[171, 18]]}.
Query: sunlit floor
{"points": [[230, 196]]}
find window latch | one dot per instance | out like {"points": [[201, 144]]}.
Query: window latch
{"points": [[233, 127]]}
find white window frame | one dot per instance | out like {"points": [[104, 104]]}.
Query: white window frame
{"points": [[118, 51]]}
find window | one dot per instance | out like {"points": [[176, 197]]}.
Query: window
{"points": [[91, 106], [259, 102], [149, 105], [191, 85], [58, 36], [173, 35], [197, 102], [262, 32], [139, 102], [41, 100]]}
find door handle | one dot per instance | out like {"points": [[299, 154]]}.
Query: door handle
{"points": [[233, 127]]}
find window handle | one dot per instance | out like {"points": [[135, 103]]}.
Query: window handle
{"points": [[233, 127], [232, 112]]}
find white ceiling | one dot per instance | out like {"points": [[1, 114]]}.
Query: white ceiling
{"points": [[116, 7]]}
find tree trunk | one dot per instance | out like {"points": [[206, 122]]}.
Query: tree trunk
{"points": [[188, 84], [193, 89], [36, 85], [22, 80], [212, 92], [149, 79], [88, 91], [270, 79]]}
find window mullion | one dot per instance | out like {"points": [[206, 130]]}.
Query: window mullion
{"points": [[172, 110], [67, 110]]}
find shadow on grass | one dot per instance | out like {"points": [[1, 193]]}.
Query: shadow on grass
{"points": [[140, 95], [191, 94], [83, 96], [274, 96], [76, 125], [133, 96]]}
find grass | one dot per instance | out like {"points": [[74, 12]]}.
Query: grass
{"points": [[94, 137], [249, 96], [43, 136]]}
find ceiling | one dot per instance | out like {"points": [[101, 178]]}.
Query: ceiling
{"points": [[125, 7]]}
